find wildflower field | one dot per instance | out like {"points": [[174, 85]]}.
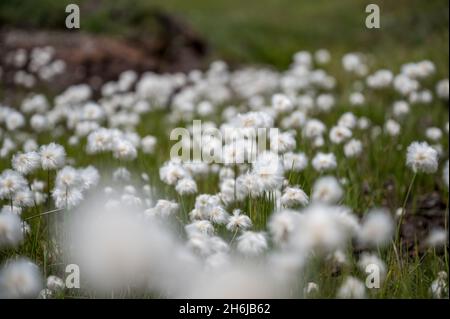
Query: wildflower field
{"points": [[308, 158]]}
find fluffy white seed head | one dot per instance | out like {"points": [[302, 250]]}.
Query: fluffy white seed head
{"points": [[26, 163], [52, 156], [251, 243], [239, 221], [327, 190], [294, 196], [377, 228], [353, 148], [11, 233], [20, 279], [324, 162], [352, 288], [421, 157]]}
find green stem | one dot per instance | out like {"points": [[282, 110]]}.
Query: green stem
{"points": [[234, 236], [404, 208], [43, 214]]}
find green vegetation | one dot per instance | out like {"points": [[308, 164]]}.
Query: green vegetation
{"points": [[269, 32]]}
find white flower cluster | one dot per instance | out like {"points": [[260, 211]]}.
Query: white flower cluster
{"points": [[245, 224], [37, 63]]}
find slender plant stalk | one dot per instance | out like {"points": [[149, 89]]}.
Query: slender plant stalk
{"points": [[234, 236], [397, 238]]}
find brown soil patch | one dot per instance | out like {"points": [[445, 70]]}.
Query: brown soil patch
{"points": [[95, 59]]}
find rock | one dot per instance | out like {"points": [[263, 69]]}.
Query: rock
{"points": [[429, 214], [95, 59]]}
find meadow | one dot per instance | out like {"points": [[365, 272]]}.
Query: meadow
{"points": [[354, 186]]}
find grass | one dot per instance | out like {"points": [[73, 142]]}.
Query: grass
{"points": [[409, 280], [269, 32]]}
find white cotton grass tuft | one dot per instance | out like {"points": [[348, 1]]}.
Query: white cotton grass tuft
{"points": [[327, 190], [251, 243], [23, 198], [377, 228], [249, 184], [52, 156], [67, 198], [314, 128], [380, 79], [148, 144], [89, 177], [392, 128], [186, 186], [172, 171], [26, 163], [124, 150], [353, 148], [400, 108], [11, 233], [421, 157], [338, 259], [199, 227], [238, 221], [70, 183], [294, 196], [322, 228], [295, 161], [284, 142], [98, 141], [218, 215], [20, 278], [10, 183], [442, 89], [357, 99], [437, 238], [433, 133], [200, 244], [68, 177], [322, 56], [281, 103], [339, 134], [269, 170], [281, 226], [324, 162], [115, 249], [325, 102], [352, 288], [30, 145], [163, 208]]}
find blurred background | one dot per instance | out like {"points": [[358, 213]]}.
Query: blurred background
{"points": [[180, 35]]}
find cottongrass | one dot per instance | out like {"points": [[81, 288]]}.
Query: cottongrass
{"points": [[317, 205], [20, 279]]}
